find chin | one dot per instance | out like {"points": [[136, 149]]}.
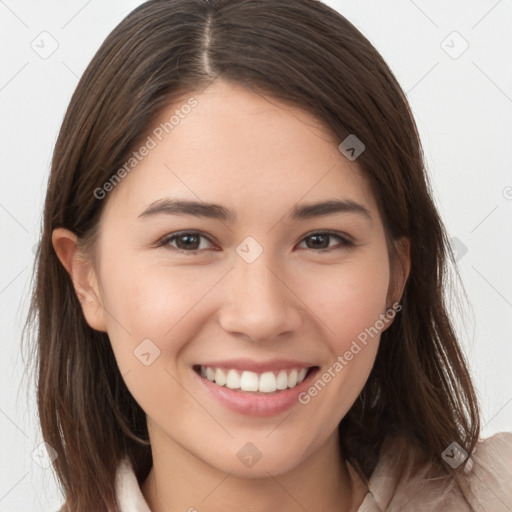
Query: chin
{"points": [[258, 459]]}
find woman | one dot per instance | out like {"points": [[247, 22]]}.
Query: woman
{"points": [[240, 281]]}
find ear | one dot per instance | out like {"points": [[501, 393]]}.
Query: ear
{"points": [[400, 269], [83, 276]]}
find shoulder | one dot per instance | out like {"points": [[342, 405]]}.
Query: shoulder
{"points": [[128, 493], [129, 496], [485, 483]]}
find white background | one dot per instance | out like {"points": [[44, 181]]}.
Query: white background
{"points": [[463, 107]]}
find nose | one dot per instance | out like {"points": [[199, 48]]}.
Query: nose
{"points": [[258, 303]]}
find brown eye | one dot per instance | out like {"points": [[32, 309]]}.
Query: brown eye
{"points": [[184, 241], [322, 241]]}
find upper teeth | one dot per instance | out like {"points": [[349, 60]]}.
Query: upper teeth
{"points": [[250, 381]]}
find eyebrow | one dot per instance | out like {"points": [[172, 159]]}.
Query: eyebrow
{"points": [[214, 211]]}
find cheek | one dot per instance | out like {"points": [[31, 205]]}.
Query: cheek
{"points": [[347, 299], [354, 312], [152, 313], [350, 302], [154, 310], [152, 300]]}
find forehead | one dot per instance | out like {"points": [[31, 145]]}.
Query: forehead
{"points": [[250, 153]]}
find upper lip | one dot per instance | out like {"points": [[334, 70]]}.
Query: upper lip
{"points": [[257, 366]]}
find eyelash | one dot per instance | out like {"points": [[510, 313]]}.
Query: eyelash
{"points": [[165, 241]]}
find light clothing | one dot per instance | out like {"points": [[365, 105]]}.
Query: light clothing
{"points": [[485, 486]]}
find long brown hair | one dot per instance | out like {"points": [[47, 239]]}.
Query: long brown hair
{"points": [[298, 51]]}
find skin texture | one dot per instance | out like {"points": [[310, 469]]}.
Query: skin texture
{"points": [[259, 158]]}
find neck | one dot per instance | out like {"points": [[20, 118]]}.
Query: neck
{"points": [[179, 481]]}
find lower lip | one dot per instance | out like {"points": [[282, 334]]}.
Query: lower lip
{"points": [[254, 403]]}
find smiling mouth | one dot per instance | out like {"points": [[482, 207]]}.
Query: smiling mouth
{"points": [[248, 381]]}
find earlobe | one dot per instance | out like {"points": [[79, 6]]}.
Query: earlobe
{"points": [[83, 276]]}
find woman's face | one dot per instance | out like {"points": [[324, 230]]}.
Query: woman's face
{"points": [[251, 289]]}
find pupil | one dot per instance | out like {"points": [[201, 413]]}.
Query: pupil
{"points": [[321, 238], [190, 239]]}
